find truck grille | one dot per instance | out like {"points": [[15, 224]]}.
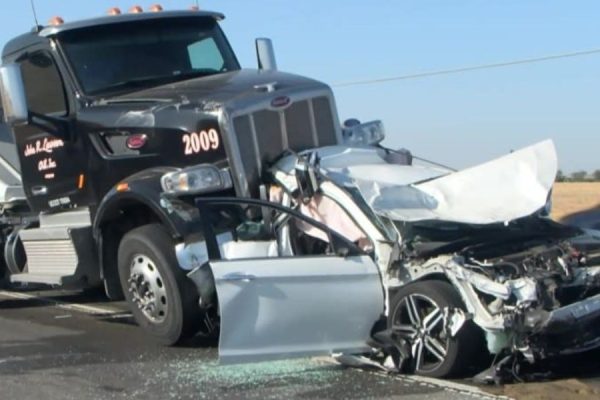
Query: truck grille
{"points": [[263, 135]]}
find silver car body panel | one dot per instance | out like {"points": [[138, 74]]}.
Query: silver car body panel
{"points": [[296, 307], [507, 188]]}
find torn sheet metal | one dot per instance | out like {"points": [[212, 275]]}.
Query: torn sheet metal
{"points": [[508, 188]]}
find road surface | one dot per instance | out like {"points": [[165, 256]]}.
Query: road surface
{"points": [[55, 345], [82, 348]]}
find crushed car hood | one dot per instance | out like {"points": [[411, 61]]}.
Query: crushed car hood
{"points": [[507, 188]]}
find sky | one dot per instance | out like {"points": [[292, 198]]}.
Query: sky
{"points": [[459, 119]]}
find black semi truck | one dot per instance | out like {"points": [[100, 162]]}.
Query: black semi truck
{"points": [[113, 126]]}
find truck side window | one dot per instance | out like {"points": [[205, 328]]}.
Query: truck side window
{"points": [[43, 84], [205, 55]]}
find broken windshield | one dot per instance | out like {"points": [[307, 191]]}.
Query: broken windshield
{"points": [[116, 58]]}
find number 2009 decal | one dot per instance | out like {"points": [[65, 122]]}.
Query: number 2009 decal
{"points": [[201, 142]]}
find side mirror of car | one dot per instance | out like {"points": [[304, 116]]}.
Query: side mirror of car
{"points": [[342, 247], [342, 252]]}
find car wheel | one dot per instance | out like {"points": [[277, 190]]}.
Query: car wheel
{"points": [[163, 300], [417, 318]]}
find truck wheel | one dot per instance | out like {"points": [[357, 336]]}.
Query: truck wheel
{"points": [[417, 317], [163, 300]]}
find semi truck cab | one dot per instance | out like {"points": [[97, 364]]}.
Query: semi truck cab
{"points": [[113, 126]]}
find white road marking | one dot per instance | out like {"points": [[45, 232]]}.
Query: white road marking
{"points": [[83, 308], [453, 386], [449, 386], [36, 357]]}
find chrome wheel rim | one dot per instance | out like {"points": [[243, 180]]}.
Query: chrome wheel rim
{"points": [[147, 289], [420, 322]]}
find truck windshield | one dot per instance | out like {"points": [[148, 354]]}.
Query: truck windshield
{"points": [[115, 58]]}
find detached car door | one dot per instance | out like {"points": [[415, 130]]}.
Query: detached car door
{"points": [[283, 294]]}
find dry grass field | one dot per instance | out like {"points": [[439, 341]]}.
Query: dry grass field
{"points": [[570, 198]]}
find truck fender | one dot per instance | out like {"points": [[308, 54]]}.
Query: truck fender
{"points": [[135, 201]]}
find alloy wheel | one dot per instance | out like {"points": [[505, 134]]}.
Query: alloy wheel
{"points": [[420, 322]]}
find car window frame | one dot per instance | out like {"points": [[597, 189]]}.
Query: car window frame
{"points": [[338, 242]]}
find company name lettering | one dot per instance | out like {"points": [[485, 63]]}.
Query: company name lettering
{"points": [[43, 146]]}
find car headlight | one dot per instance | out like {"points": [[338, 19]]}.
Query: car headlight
{"points": [[367, 134], [196, 180]]}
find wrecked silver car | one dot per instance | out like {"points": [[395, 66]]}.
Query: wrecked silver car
{"points": [[355, 250]]}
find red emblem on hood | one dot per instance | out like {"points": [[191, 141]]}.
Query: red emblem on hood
{"points": [[280, 102]]}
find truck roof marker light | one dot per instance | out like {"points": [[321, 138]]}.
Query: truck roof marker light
{"points": [[55, 21], [122, 187], [195, 8], [114, 11], [81, 182], [136, 10], [156, 8]]}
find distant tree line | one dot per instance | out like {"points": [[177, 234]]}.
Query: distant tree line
{"points": [[579, 176]]}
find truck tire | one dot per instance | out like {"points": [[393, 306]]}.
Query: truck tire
{"points": [[4, 274], [416, 316], [164, 302]]}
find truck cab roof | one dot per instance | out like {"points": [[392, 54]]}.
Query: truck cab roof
{"points": [[40, 34]]}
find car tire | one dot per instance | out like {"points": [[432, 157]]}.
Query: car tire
{"points": [[414, 320], [164, 302]]}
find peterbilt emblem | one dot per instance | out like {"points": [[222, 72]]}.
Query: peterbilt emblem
{"points": [[137, 141], [280, 102]]}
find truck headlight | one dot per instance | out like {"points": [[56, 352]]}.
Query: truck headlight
{"points": [[367, 134], [196, 180]]}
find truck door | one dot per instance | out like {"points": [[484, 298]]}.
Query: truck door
{"points": [[51, 165], [283, 294]]}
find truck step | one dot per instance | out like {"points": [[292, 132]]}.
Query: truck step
{"points": [[46, 279]]}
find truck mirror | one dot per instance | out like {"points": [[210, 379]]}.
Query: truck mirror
{"points": [[266, 55], [12, 91]]}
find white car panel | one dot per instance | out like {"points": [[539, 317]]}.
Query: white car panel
{"points": [[510, 187], [296, 307]]}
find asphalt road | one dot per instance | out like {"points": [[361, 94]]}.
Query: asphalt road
{"points": [[55, 345], [84, 348]]}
